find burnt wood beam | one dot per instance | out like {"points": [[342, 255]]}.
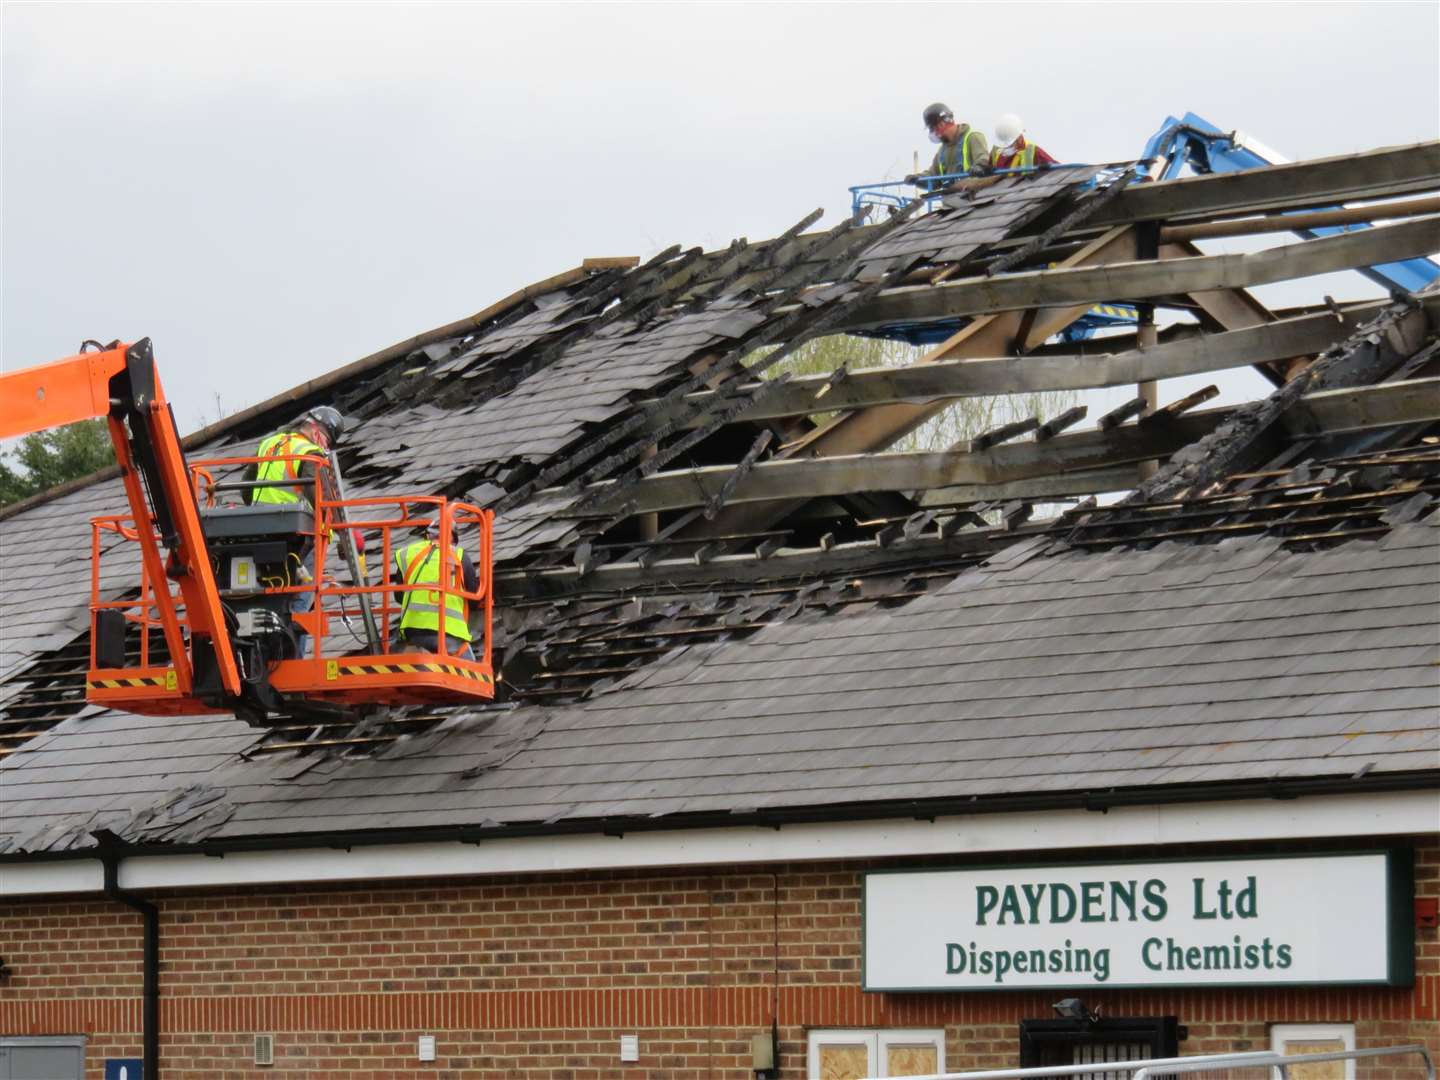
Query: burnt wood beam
{"points": [[1411, 401], [1390, 171], [1063, 485], [983, 376], [1145, 279], [880, 426], [1257, 430], [1082, 463], [1275, 223], [993, 469], [829, 559]]}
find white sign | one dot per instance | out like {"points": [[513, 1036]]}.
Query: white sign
{"points": [[1251, 921]]}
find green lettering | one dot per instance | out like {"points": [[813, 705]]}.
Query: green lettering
{"points": [[1010, 905], [985, 899], [1245, 904], [1056, 892], [1217, 958], [1093, 901], [1150, 943], [1122, 892], [1156, 906], [1033, 895], [954, 959], [1200, 912]]}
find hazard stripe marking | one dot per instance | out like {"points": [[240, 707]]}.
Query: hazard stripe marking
{"points": [[122, 684], [411, 669]]}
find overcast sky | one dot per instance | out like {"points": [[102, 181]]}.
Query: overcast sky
{"points": [[272, 190]]}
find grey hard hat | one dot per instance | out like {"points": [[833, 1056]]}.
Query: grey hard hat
{"points": [[329, 419], [936, 114]]}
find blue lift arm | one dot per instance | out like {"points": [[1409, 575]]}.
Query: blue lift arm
{"points": [[1196, 142]]}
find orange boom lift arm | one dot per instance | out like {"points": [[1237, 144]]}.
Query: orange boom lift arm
{"points": [[219, 582], [121, 384]]}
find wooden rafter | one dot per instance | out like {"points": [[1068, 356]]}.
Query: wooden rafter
{"points": [[1143, 279], [979, 376]]}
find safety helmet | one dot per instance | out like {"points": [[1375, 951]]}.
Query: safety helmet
{"points": [[1008, 128], [432, 530], [937, 114], [327, 418]]}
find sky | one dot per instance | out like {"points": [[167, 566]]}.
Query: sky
{"points": [[270, 191]]}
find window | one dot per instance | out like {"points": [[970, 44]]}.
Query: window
{"points": [[853, 1055], [1057, 1041], [1315, 1039]]}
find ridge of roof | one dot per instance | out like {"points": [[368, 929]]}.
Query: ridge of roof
{"points": [[293, 396]]}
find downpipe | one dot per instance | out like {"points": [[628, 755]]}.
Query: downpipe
{"points": [[150, 913]]}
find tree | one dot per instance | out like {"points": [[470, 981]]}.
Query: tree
{"points": [[963, 418], [48, 458]]}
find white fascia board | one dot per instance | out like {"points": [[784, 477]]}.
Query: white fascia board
{"points": [[35, 878], [1317, 817]]}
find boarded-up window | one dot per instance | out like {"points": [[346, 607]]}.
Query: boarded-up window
{"points": [[1293, 1039], [840, 1062], [858, 1054], [911, 1060]]}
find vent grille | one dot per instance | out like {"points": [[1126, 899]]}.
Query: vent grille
{"points": [[264, 1049]]}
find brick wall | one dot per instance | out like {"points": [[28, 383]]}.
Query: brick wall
{"points": [[539, 976]]}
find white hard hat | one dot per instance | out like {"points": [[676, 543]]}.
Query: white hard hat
{"points": [[1008, 128]]}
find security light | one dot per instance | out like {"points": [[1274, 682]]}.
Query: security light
{"points": [[1075, 1009]]}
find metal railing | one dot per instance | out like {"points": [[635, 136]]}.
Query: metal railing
{"points": [[1282, 1063], [1220, 1066]]}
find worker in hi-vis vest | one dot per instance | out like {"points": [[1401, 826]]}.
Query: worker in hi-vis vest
{"points": [[1014, 151], [421, 610], [962, 148], [282, 481], [285, 481]]}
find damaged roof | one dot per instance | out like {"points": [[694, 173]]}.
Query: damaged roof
{"points": [[713, 601]]}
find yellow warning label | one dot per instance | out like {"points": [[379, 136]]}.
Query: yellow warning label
{"points": [[171, 681], [332, 670]]}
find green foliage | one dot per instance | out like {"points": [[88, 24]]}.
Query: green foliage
{"points": [[44, 459], [961, 420]]}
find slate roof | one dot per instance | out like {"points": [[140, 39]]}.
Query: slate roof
{"points": [[1221, 637], [486, 401], [1069, 673]]}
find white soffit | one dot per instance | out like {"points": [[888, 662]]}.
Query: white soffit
{"points": [[1387, 814]]}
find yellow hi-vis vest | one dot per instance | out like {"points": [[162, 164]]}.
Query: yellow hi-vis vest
{"points": [[962, 152], [278, 470], [1025, 159], [418, 563]]}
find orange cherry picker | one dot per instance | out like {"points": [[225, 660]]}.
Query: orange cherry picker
{"points": [[211, 625]]}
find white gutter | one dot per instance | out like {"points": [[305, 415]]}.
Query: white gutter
{"points": [[1315, 817]]}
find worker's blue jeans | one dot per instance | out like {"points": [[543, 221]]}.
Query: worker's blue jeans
{"points": [[304, 601], [429, 641]]}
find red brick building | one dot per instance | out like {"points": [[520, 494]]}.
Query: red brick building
{"points": [[540, 975]]}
